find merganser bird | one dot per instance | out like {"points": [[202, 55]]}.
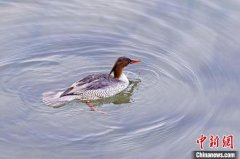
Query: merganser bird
{"points": [[92, 87]]}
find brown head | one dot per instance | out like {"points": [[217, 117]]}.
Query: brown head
{"points": [[120, 64]]}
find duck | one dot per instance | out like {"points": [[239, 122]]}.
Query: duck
{"points": [[94, 86]]}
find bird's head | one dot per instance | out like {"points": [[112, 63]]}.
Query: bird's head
{"points": [[120, 64]]}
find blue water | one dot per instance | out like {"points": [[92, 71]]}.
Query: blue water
{"points": [[187, 84]]}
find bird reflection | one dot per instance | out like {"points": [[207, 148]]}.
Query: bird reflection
{"points": [[121, 98]]}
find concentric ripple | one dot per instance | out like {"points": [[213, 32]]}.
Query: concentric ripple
{"points": [[48, 45]]}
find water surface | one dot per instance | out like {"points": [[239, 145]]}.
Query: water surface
{"points": [[187, 84]]}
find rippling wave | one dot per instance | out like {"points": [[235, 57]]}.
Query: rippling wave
{"points": [[177, 92]]}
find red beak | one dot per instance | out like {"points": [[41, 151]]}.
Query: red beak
{"points": [[134, 61]]}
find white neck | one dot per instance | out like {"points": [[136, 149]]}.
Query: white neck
{"points": [[123, 78]]}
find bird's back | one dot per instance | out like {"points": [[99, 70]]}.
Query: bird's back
{"points": [[96, 86]]}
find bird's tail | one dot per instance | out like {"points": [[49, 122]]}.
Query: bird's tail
{"points": [[53, 99]]}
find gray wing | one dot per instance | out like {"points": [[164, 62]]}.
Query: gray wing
{"points": [[91, 82], [89, 79]]}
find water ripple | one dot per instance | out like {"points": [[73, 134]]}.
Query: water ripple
{"points": [[49, 45]]}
